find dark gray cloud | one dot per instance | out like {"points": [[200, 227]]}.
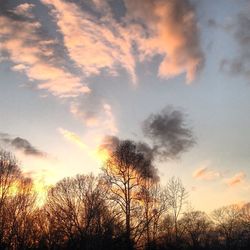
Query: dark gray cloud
{"points": [[21, 144], [240, 65], [169, 133], [212, 23], [137, 154], [110, 143], [169, 136]]}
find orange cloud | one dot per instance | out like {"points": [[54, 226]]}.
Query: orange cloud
{"points": [[72, 137], [92, 148], [100, 117], [93, 44], [24, 9], [203, 173], [236, 179], [33, 55], [172, 32]]}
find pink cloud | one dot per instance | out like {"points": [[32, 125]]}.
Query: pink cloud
{"points": [[24, 9], [31, 55], [103, 121], [172, 32], [235, 180], [93, 44], [103, 44], [203, 173]]}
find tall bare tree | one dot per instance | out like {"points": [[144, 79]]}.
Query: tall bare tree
{"points": [[177, 196], [124, 172]]}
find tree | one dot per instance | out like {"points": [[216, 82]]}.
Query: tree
{"points": [[245, 224], [177, 196], [196, 226], [78, 213], [124, 172], [228, 224], [154, 204], [17, 201]]}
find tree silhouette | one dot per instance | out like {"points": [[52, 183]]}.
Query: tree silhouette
{"points": [[123, 208], [124, 172], [17, 201], [177, 196]]}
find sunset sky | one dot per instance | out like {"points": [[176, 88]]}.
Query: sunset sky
{"points": [[75, 71]]}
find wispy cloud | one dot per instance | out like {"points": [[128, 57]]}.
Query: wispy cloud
{"points": [[99, 42], [235, 180], [240, 64], [172, 32], [72, 137], [24, 9], [96, 41], [95, 113], [22, 145], [204, 173], [91, 147], [31, 53], [94, 44]]}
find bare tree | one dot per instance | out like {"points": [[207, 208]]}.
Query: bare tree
{"points": [[177, 196], [77, 211], [17, 201], [228, 224], [196, 226], [124, 173], [245, 224], [20, 208], [153, 199]]}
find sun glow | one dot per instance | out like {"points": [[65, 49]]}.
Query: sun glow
{"points": [[41, 191], [101, 155]]}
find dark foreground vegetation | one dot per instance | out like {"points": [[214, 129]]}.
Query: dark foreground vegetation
{"points": [[123, 208]]}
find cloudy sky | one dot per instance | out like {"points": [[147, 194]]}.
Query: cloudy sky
{"points": [[173, 74]]}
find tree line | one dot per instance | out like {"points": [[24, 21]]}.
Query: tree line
{"points": [[125, 208]]}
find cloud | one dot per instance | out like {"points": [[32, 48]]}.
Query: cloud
{"points": [[25, 146], [72, 137], [138, 152], [95, 113], [109, 143], [33, 54], [172, 32], [89, 144], [94, 44], [169, 138], [236, 179], [24, 10], [203, 173], [168, 132], [240, 65], [22, 145], [97, 41]]}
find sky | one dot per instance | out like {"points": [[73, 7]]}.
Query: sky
{"points": [[73, 72]]}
